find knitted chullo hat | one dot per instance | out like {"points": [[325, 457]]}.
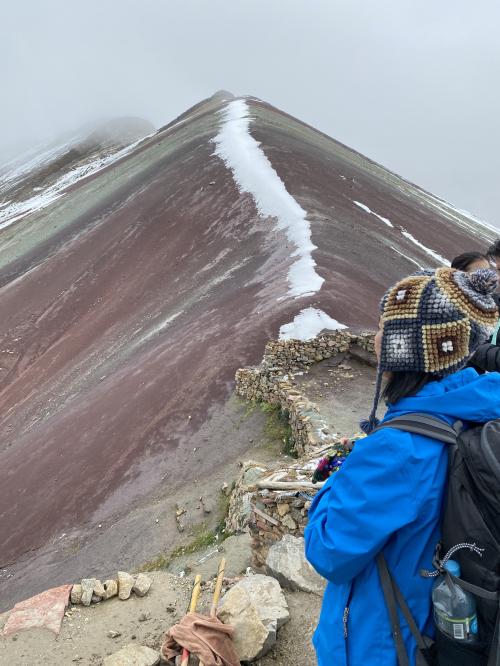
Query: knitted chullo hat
{"points": [[433, 322]]}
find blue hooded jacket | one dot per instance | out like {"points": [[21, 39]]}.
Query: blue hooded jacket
{"points": [[387, 496]]}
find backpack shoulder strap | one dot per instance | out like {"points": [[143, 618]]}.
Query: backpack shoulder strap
{"points": [[423, 424], [394, 599], [392, 608]]}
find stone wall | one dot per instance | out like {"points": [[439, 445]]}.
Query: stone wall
{"points": [[269, 382], [269, 514], [275, 514]]}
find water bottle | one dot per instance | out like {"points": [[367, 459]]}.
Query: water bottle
{"points": [[454, 610]]}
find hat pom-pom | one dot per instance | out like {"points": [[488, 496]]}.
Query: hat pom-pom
{"points": [[367, 425], [484, 280]]}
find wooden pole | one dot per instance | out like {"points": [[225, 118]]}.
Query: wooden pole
{"points": [[290, 485], [218, 588], [192, 607], [217, 591]]}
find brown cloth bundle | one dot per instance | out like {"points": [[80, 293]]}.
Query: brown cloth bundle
{"points": [[206, 637]]}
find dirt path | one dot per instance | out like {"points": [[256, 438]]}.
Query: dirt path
{"points": [[343, 392], [85, 637]]}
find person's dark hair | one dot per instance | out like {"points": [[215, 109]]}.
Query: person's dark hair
{"points": [[494, 249], [405, 384], [463, 261]]}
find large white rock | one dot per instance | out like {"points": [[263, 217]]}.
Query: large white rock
{"points": [[110, 588], [125, 585], [256, 608], [99, 590], [287, 562], [76, 594], [267, 596], [133, 655], [142, 585], [87, 590]]}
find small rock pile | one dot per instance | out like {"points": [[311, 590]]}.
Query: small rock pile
{"points": [[92, 590]]}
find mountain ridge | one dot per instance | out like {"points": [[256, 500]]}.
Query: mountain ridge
{"points": [[131, 299]]}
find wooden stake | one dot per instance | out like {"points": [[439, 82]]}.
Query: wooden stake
{"points": [[217, 591], [192, 607], [290, 485], [218, 588]]}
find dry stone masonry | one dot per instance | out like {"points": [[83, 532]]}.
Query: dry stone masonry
{"points": [[271, 381], [269, 513], [91, 590]]}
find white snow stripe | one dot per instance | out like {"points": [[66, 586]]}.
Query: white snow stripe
{"points": [[407, 257], [430, 252], [253, 173], [371, 212]]}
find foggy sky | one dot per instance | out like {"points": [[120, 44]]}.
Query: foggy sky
{"points": [[412, 84]]}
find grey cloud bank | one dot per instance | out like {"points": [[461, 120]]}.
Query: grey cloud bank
{"points": [[412, 85]]}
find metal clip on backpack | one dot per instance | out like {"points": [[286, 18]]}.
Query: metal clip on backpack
{"points": [[471, 520]]}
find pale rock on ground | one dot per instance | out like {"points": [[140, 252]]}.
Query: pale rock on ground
{"points": [[99, 590], [286, 561], [125, 585], [133, 655], [43, 611], [87, 590], [76, 594], [110, 588], [256, 608], [142, 585]]}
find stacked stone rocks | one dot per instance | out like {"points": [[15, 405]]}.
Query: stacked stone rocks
{"points": [[274, 515], [270, 382], [268, 514], [91, 590]]}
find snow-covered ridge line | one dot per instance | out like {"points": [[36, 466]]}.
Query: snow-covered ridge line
{"points": [[253, 173], [15, 211]]}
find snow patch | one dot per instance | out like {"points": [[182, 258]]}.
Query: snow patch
{"points": [[307, 324], [253, 173], [407, 257], [17, 210], [430, 252], [158, 328], [370, 212]]}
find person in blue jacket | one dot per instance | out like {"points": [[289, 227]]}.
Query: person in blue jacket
{"points": [[388, 494]]}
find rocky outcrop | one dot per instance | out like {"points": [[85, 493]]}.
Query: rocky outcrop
{"points": [[286, 561], [256, 607]]}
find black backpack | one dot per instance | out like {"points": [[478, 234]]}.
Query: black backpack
{"points": [[470, 534]]}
